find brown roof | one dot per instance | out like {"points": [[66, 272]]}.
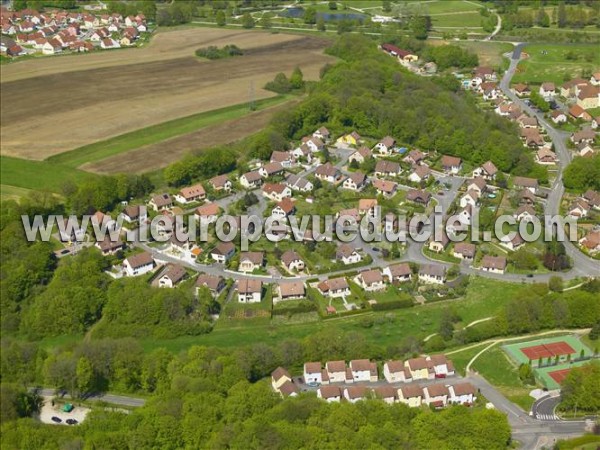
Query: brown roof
{"points": [[464, 389], [395, 366], [525, 182], [465, 249], [577, 111], [417, 195], [384, 166], [422, 171], [252, 176], [585, 134], [223, 248], [365, 152], [108, 245], [450, 161], [432, 270], [219, 181], [437, 390], [210, 281], [417, 363], [249, 286], [273, 168], [291, 288], [336, 366], [493, 262], [330, 391], [592, 197], [355, 392], [400, 270], [269, 188], [333, 284], [279, 373], [253, 257], [479, 182], [289, 257], [279, 157], [588, 92], [412, 390], [140, 260], [288, 388], [371, 276], [209, 209], [344, 251], [312, 367], [174, 272], [386, 391], [193, 191], [388, 141], [326, 170], [162, 200], [358, 178], [384, 185], [360, 364], [520, 87], [438, 360]]}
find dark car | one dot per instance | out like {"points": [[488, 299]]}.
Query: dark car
{"points": [[529, 275], [72, 421], [440, 193], [56, 419], [376, 249]]}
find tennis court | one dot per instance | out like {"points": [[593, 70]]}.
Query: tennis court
{"points": [[550, 350], [559, 375], [564, 347]]}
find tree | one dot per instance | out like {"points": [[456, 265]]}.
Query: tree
{"points": [[85, 376], [542, 18], [332, 6], [526, 374], [555, 284], [247, 20], [220, 18], [386, 5], [419, 26], [265, 21], [297, 79], [321, 24], [310, 15], [562, 15], [595, 331]]}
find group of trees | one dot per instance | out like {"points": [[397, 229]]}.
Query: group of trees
{"points": [[580, 390], [558, 13], [446, 56], [583, 174], [177, 13], [214, 52], [202, 165], [282, 85]]}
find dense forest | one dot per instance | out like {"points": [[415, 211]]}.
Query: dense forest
{"points": [[582, 174]]}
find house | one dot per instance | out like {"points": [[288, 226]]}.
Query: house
{"points": [[571, 88], [531, 137], [584, 149], [335, 287], [363, 370], [367, 206], [251, 180], [322, 134], [521, 90], [278, 377], [402, 55], [484, 73], [336, 370], [302, 153], [276, 191], [524, 213], [464, 216], [586, 135], [292, 261], [415, 157], [477, 184], [545, 156], [312, 373], [160, 202], [462, 393], [291, 290], [595, 79], [270, 169], [171, 275], [432, 273], [349, 139], [558, 116], [527, 122], [530, 184], [547, 90], [330, 393], [442, 367], [355, 182], [215, 284], [386, 393], [489, 90], [387, 168], [370, 280], [249, 291], [207, 213], [577, 112], [71, 231], [494, 264], [327, 172], [398, 273], [419, 173], [512, 244], [138, 264], [283, 209], [297, 183], [418, 196], [411, 395], [251, 261], [384, 187], [464, 250], [592, 198], [360, 155], [222, 252], [348, 254], [470, 197], [579, 209], [108, 43], [451, 164], [393, 371], [51, 47], [349, 214], [109, 247], [589, 97], [596, 122], [591, 242], [385, 146], [220, 183], [355, 393], [190, 194], [314, 144], [420, 368], [286, 159], [133, 213], [436, 395], [439, 245], [103, 220]]}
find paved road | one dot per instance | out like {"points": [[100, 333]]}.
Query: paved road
{"points": [[543, 408], [121, 400]]}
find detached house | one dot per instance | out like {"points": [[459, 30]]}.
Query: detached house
{"points": [[530, 184], [495, 264], [134, 213], [521, 90], [322, 134], [348, 254], [283, 209], [222, 252], [462, 393], [355, 182], [279, 377], [249, 291], [251, 180], [386, 188], [191, 194], [385, 146], [464, 250], [251, 261], [313, 143], [291, 290], [432, 273], [173, 274], [292, 261], [577, 112], [589, 97], [415, 157], [586, 135], [350, 139], [436, 395], [558, 116], [579, 209], [312, 372], [207, 213], [363, 370], [138, 264], [286, 159], [160, 202], [354, 394], [109, 247], [387, 169], [215, 284], [276, 191], [270, 169], [330, 393], [299, 184], [370, 280], [335, 287], [451, 164], [393, 371], [398, 273], [220, 183], [327, 172], [418, 196], [547, 90], [419, 173], [360, 155]]}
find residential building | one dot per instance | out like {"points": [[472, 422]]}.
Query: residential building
{"points": [[291, 290], [393, 371], [215, 284], [462, 393], [330, 393], [312, 372], [355, 182], [171, 275], [370, 280], [451, 164], [161, 202], [385, 168], [251, 261], [138, 264], [495, 264], [464, 250], [223, 252], [334, 287], [411, 395], [292, 261], [190, 194], [348, 254], [249, 291], [251, 180], [436, 395], [220, 183], [432, 273], [398, 273]]}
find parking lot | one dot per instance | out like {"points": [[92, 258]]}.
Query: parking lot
{"points": [[48, 411]]}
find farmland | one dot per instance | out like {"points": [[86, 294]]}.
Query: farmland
{"points": [[115, 93]]}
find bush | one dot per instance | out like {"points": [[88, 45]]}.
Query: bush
{"points": [[213, 52]]}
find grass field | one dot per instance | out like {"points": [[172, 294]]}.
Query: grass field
{"points": [[489, 53], [37, 175], [558, 62], [463, 20], [157, 133], [113, 93], [12, 192], [484, 298]]}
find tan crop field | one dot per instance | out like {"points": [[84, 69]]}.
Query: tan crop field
{"points": [[55, 104], [156, 156]]}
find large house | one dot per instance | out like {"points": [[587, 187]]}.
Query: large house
{"points": [[398, 273], [547, 90], [385, 168], [385, 146], [270, 169]]}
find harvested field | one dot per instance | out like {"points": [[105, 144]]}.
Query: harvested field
{"points": [[161, 154], [52, 105]]}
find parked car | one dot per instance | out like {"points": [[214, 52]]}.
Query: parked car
{"points": [[72, 421], [56, 419]]}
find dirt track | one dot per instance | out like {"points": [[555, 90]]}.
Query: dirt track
{"points": [[55, 104]]}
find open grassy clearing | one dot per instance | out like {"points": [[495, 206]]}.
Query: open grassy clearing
{"points": [[37, 175], [158, 155], [157, 133], [484, 298], [489, 53], [113, 97], [462, 20], [12, 192], [449, 6], [559, 62]]}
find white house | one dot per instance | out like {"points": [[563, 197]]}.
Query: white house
{"points": [[249, 291], [251, 180], [548, 90], [355, 182], [348, 254], [138, 264], [222, 252], [442, 366], [330, 393], [370, 280], [312, 372], [335, 287], [292, 261], [393, 371], [172, 275], [494, 264], [336, 370], [363, 370], [432, 273], [463, 393], [436, 395], [190, 194], [354, 394], [385, 146]]}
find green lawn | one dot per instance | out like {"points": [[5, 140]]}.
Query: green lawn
{"points": [[450, 6], [466, 20], [38, 175], [156, 133], [12, 192], [558, 62]]}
